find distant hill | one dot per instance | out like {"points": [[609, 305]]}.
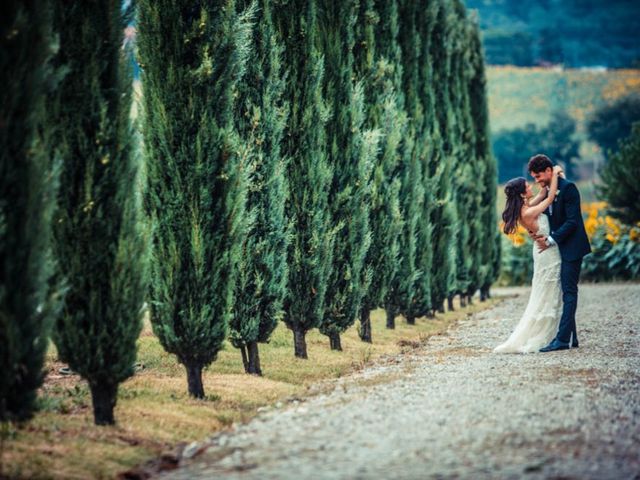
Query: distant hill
{"points": [[575, 33], [522, 96]]}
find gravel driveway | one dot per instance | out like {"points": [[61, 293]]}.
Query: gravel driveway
{"points": [[455, 410]]}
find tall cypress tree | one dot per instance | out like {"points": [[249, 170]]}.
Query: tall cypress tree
{"points": [[352, 151], [429, 151], [487, 168], [412, 190], [27, 195], [392, 64], [262, 274], [309, 173], [192, 57], [467, 193], [375, 65], [100, 244]]}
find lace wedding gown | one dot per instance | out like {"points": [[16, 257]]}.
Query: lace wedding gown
{"points": [[539, 323]]}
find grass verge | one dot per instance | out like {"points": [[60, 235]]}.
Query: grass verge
{"points": [[154, 411]]}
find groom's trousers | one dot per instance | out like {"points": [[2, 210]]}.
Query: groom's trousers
{"points": [[569, 276]]}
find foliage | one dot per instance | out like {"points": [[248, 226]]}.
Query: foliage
{"points": [[485, 230], [619, 179], [611, 123], [262, 270], [573, 32], [99, 239], [509, 48], [556, 140], [309, 174], [516, 267], [28, 184], [192, 58], [401, 284], [352, 150], [615, 246], [375, 48], [520, 96], [442, 168]]}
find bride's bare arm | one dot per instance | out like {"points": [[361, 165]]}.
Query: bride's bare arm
{"points": [[538, 198], [534, 211]]}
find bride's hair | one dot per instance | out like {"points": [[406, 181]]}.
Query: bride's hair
{"points": [[514, 190]]}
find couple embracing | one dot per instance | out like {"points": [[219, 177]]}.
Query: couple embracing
{"points": [[554, 220]]}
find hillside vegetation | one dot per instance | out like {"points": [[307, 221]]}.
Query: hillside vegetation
{"points": [[575, 33], [522, 96]]}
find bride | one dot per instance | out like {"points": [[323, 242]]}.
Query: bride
{"points": [[539, 323]]}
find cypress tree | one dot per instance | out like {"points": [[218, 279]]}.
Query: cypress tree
{"points": [[444, 213], [262, 274], [430, 149], [374, 63], [455, 152], [309, 173], [28, 184], [487, 166], [352, 151], [412, 191], [408, 185], [99, 241], [192, 57], [467, 189]]}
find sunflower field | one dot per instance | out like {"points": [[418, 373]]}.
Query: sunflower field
{"points": [[615, 246]]}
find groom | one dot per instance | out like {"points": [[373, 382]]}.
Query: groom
{"points": [[568, 233]]}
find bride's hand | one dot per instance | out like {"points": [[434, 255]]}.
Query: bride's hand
{"points": [[558, 171]]}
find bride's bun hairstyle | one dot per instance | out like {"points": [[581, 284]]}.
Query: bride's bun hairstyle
{"points": [[514, 190]]}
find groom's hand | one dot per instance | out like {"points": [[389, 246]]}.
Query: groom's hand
{"points": [[541, 241]]}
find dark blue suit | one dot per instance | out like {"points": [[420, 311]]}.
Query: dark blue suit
{"points": [[567, 230]]}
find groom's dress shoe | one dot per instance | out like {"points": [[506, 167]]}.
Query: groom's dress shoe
{"points": [[555, 345], [574, 343]]}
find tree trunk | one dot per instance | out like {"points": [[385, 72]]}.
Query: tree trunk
{"points": [[411, 320], [245, 358], [483, 294], [470, 299], [334, 341], [300, 343], [365, 325], [431, 314], [253, 366], [450, 303], [441, 307], [463, 300], [391, 318], [194, 379], [104, 401]]}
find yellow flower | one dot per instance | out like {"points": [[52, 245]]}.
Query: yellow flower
{"points": [[518, 240]]}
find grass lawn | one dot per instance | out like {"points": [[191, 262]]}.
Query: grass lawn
{"points": [[155, 413]]}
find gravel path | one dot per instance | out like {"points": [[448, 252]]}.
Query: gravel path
{"points": [[455, 410]]}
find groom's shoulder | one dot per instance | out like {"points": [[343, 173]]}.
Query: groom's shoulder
{"points": [[564, 183]]}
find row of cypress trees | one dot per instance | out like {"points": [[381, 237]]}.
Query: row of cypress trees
{"points": [[303, 161], [73, 240], [333, 158]]}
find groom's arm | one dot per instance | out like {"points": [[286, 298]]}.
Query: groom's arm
{"points": [[572, 212]]}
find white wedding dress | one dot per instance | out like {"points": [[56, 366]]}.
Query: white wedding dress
{"points": [[539, 324]]}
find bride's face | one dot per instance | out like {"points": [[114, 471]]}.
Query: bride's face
{"points": [[528, 191]]}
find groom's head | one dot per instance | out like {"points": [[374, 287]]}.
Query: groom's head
{"points": [[541, 169]]}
